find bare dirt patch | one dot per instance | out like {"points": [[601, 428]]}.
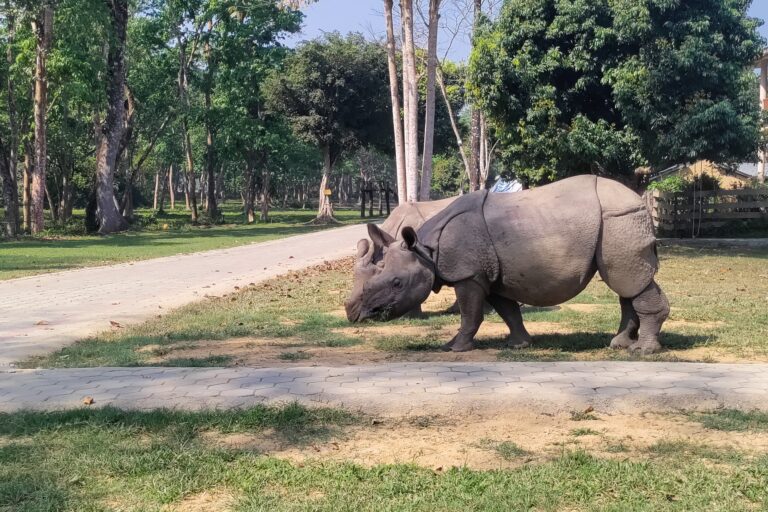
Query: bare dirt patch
{"points": [[442, 442], [220, 500]]}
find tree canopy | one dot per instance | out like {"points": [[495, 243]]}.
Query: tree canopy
{"points": [[604, 86]]}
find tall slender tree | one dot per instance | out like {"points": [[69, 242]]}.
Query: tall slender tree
{"points": [[42, 25], [394, 93], [475, 122], [9, 148], [107, 213], [410, 102], [429, 115]]}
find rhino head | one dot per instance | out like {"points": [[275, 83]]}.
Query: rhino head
{"points": [[391, 277]]}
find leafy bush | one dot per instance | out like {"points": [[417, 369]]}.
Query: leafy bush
{"points": [[676, 184], [669, 184]]}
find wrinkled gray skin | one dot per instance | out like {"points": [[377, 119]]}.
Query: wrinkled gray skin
{"points": [[369, 259], [539, 247]]}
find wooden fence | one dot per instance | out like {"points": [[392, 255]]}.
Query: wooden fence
{"points": [[690, 214]]}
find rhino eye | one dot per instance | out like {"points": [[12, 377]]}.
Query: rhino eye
{"points": [[397, 283]]}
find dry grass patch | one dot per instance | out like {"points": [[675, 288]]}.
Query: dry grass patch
{"points": [[718, 299]]}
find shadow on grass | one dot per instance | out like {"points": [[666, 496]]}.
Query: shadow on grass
{"points": [[292, 423], [546, 347]]}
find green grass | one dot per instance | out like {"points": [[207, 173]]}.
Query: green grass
{"points": [[153, 236], [685, 449], [583, 416], [294, 356], [717, 297], [732, 420], [507, 450], [106, 459], [579, 432]]}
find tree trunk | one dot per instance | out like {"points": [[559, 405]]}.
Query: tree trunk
{"points": [[107, 212], [265, 175], [325, 207], [454, 125], [191, 190], [11, 199], [210, 157], [65, 203], [26, 186], [171, 187], [474, 141], [43, 28], [8, 171], [163, 182], [249, 192], [429, 118], [52, 206], [157, 190], [411, 100], [397, 121]]}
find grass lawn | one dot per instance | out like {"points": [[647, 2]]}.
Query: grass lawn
{"points": [[718, 297], [153, 236], [107, 459]]}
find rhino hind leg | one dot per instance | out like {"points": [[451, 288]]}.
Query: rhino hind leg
{"points": [[652, 309], [471, 298], [628, 327], [509, 311]]}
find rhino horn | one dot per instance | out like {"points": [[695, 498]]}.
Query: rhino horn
{"points": [[364, 252]]}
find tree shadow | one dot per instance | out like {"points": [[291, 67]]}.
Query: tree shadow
{"points": [[590, 341], [292, 423]]}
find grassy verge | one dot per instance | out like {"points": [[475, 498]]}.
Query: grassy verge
{"points": [[718, 302], [91, 460], [153, 236]]}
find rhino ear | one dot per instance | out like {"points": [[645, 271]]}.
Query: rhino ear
{"points": [[410, 237], [379, 237]]}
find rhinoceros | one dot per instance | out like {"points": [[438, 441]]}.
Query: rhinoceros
{"points": [[408, 214], [540, 247]]}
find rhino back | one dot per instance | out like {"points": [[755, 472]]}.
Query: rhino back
{"points": [[413, 214], [545, 239]]}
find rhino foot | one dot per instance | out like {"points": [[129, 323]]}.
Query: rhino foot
{"points": [[518, 344], [458, 345], [463, 346], [645, 348], [622, 340]]}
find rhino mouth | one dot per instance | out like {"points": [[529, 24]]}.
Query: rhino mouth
{"points": [[380, 313]]}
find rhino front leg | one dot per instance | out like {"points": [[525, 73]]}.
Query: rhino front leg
{"points": [[471, 297], [628, 327], [509, 311], [652, 308]]}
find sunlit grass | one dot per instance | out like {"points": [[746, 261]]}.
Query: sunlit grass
{"points": [[153, 236]]}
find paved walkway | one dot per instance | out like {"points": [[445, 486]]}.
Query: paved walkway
{"points": [[39, 314], [403, 388]]}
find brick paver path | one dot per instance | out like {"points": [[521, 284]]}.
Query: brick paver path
{"points": [[402, 388], [39, 314]]}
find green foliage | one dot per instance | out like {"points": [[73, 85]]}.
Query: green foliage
{"points": [[669, 184], [583, 86], [334, 92], [676, 184], [448, 175]]}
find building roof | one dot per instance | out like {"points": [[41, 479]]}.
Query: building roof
{"points": [[747, 169], [762, 60]]}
